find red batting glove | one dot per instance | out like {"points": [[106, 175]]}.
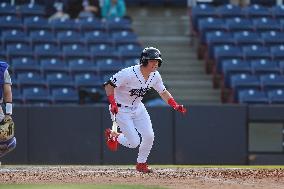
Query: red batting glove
{"points": [[113, 105], [176, 106]]}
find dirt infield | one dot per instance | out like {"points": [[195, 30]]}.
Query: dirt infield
{"points": [[176, 178]]}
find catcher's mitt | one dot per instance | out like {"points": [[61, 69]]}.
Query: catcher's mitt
{"points": [[7, 128]]}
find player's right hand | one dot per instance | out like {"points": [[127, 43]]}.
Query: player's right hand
{"points": [[180, 108], [113, 108], [176, 106]]}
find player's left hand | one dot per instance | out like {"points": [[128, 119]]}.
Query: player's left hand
{"points": [[180, 108]]}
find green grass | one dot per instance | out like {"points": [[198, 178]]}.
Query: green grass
{"points": [[74, 186]]}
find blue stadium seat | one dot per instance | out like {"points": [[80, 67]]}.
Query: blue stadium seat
{"points": [[10, 22], [277, 11], [229, 10], [103, 51], [24, 64], [271, 38], [219, 66], [91, 24], [31, 9], [42, 36], [3, 56], [7, 9], [244, 81], [51, 65], [17, 95], [256, 52], [59, 80], [131, 62], [266, 24], [239, 24], [97, 37], [118, 24], [81, 65], [233, 67], [227, 52], [264, 66], [87, 80], [90, 95], [254, 11], [60, 25], [281, 66], [72, 51], [69, 37], [129, 51], [201, 11], [15, 36], [109, 66], [218, 38], [36, 95], [276, 96], [272, 81], [210, 24], [107, 76], [124, 37], [65, 96], [252, 96], [36, 23], [47, 50], [18, 50], [247, 38], [277, 52], [30, 79]]}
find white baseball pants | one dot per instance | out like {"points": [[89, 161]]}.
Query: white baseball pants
{"points": [[132, 121]]}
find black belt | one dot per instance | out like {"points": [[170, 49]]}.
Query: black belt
{"points": [[119, 105]]}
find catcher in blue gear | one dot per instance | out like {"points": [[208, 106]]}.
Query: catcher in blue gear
{"points": [[7, 129]]}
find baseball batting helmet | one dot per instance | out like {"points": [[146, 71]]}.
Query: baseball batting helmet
{"points": [[150, 53]]}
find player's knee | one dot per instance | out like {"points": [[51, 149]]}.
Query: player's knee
{"points": [[149, 137], [134, 143]]}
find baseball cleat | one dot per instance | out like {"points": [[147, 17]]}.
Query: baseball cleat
{"points": [[111, 139], [143, 167]]}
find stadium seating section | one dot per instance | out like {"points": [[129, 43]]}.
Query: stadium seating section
{"points": [[52, 61], [243, 50]]}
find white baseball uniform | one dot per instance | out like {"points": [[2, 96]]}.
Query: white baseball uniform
{"points": [[7, 79], [130, 87]]}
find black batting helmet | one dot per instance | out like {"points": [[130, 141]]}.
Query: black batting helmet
{"points": [[150, 53]]}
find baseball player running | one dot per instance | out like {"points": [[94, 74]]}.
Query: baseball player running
{"points": [[125, 91], [7, 139]]}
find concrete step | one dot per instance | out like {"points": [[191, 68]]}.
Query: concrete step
{"points": [[189, 84], [152, 12], [181, 60], [191, 98], [192, 77], [182, 70], [198, 101], [195, 95]]}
